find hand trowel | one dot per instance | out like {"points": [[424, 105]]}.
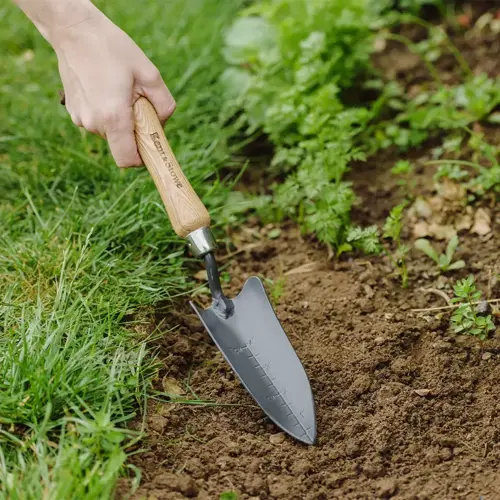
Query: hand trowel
{"points": [[244, 328]]}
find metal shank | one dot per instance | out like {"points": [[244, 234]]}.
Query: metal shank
{"points": [[223, 306]]}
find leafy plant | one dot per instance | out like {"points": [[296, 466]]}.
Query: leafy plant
{"points": [[392, 231], [444, 261], [288, 83], [465, 319], [365, 239]]}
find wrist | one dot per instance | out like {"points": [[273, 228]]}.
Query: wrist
{"points": [[63, 17]]}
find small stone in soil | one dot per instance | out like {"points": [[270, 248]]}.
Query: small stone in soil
{"points": [[368, 291], [373, 470], [277, 438], [422, 392], [486, 356]]}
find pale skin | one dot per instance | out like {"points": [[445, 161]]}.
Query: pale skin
{"points": [[102, 70]]}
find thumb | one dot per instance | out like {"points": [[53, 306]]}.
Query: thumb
{"points": [[160, 97]]}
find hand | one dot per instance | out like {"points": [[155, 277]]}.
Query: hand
{"points": [[103, 73]]}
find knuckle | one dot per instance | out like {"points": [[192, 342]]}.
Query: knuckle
{"points": [[152, 76], [116, 117]]}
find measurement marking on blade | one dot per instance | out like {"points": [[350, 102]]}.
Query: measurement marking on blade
{"points": [[292, 419], [273, 397], [238, 350]]}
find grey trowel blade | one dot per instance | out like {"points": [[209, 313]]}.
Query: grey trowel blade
{"points": [[257, 348]]}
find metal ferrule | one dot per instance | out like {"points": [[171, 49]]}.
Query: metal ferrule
{"points": [[201, 242]]}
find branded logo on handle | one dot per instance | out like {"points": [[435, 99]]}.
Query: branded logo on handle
{"points": [[166, 161]]}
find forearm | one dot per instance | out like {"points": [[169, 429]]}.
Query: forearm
{"points": [[53, 17]]}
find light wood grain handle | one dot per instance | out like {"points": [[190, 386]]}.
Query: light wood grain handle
{"points": [[185, 210]]}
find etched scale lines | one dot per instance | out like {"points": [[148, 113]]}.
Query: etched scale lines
{"points": [[275, 397]]}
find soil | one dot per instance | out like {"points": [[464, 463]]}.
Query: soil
{"points": [[406, 409]]}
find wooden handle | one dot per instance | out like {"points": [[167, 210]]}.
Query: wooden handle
{"points": [[185, 210]]}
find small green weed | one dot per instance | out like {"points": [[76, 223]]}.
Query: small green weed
{"points": [[392, 231], [366, 239], [402, 167], [276, 288], [228, 495], [444, 261], [465, 319]]}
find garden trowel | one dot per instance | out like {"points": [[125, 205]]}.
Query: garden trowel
{"points": [[244, 328]]}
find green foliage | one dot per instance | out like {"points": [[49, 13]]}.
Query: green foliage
{"points": [[290, 69], [392, 231], [367, 240], [465, 319], [288, 83], [440, 109], [445, 109], [443, 261], [394, 223]]}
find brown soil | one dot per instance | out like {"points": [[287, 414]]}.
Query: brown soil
{"points": [[405, 408], [367, 354]]}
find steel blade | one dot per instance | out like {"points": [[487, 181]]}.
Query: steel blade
{"points": [[257, 348]]}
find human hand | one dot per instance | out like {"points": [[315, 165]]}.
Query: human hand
{"points": [[103, 73]]}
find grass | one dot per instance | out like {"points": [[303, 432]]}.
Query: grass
{"points": [[84, 244]]}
